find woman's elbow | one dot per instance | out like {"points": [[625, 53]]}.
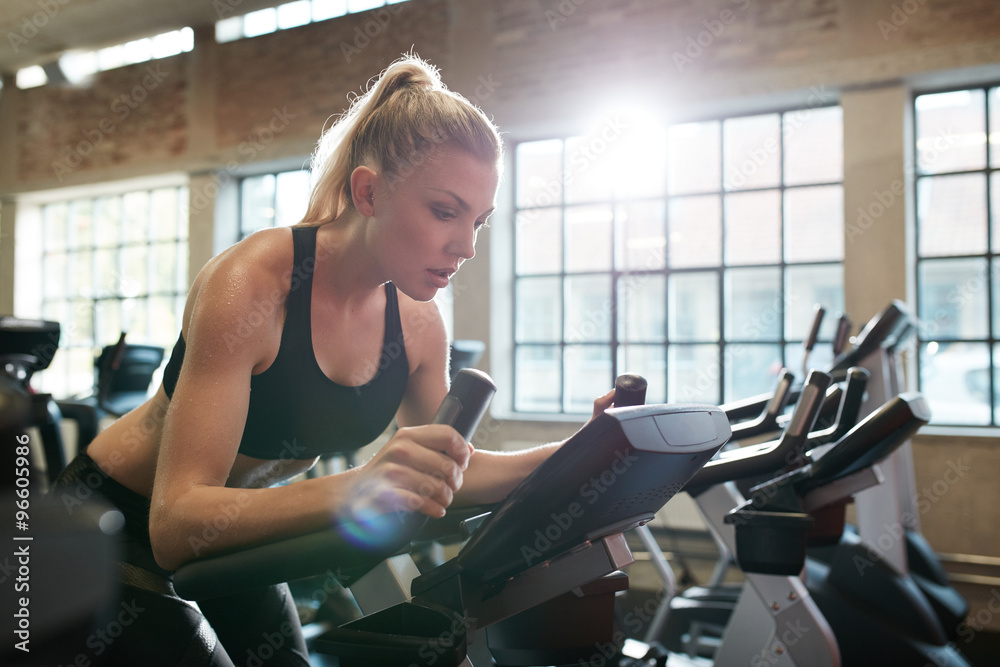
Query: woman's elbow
{"points": [[168, 549]]}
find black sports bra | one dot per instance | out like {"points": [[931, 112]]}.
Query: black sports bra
{"points": [[295, 411]]}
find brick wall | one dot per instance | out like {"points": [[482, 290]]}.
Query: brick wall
{"points": [[134, 113], [255, 98]]}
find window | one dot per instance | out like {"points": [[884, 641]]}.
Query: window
{"points": [[957, 189], [273, 200], [78, 66], [111, 264], [292, 14], [691, 254]]}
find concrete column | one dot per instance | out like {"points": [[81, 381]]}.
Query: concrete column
{"points": [[8, 218], [878, 200]]}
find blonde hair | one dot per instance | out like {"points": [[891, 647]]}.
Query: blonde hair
{"points": [[393, 127]]}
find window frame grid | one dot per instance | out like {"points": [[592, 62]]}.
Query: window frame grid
{"points": [[992, 338], [616, 274], [99, 294]]}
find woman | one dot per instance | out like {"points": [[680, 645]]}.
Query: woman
{"points": [[302, 341]]}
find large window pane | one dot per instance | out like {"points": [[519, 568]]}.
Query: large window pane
{"points": [[953, 298], [806, 287], [640, 244], [753, 304], [753, 227], [135, 219], [954, 377], [539, 312], [694, 158], [588, 238], [588, 375], [291, 197], [588, 309], [165, 215], [693, 373], [107, 228], [752, 147], [994, 141], [257, 203], [539, 241], [951, 213], [814, 145], [589, 169], [538, 370], [114, 252], [751, 369], [694, 310], [695, 231], [820, 357], [641, 308], [951, 131], [814, 224], [995, 210], [56, 220], [539, 173], [643, 292], [81, 224]]}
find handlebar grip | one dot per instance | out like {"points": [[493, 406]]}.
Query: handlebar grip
{"points": [[630, 389], [844, 325], [466, 403], [810, 340]]}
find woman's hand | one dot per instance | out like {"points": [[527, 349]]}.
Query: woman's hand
{"points": [[602, 403], [418, 470]]}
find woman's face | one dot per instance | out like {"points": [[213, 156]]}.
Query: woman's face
{"points": [[427, 221]]}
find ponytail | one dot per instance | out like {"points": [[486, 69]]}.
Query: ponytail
{"points": [[392, 127]]}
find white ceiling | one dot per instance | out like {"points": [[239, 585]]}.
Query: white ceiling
{"points": [[36, 31]]}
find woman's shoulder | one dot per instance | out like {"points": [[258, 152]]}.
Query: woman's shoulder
{"points": [[248, 273]]}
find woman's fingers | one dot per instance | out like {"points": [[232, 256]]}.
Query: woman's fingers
{"points": [[419, 470]]}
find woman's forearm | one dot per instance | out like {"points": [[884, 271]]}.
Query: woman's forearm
{"points": [[492, 475]]}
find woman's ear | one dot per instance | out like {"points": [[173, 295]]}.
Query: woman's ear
{"points": [[363, 180]]}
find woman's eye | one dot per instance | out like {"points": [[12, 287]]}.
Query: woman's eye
{"points": [[443, 215]]}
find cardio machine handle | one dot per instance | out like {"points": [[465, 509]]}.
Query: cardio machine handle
{"points": [[770, 457], [851, 398], [870, 441], [336, 547], [810, 342], [767, 421], [630, 389], [843, 332]]}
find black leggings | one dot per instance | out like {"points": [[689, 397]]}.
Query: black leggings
{"points": [[149, 625]]}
